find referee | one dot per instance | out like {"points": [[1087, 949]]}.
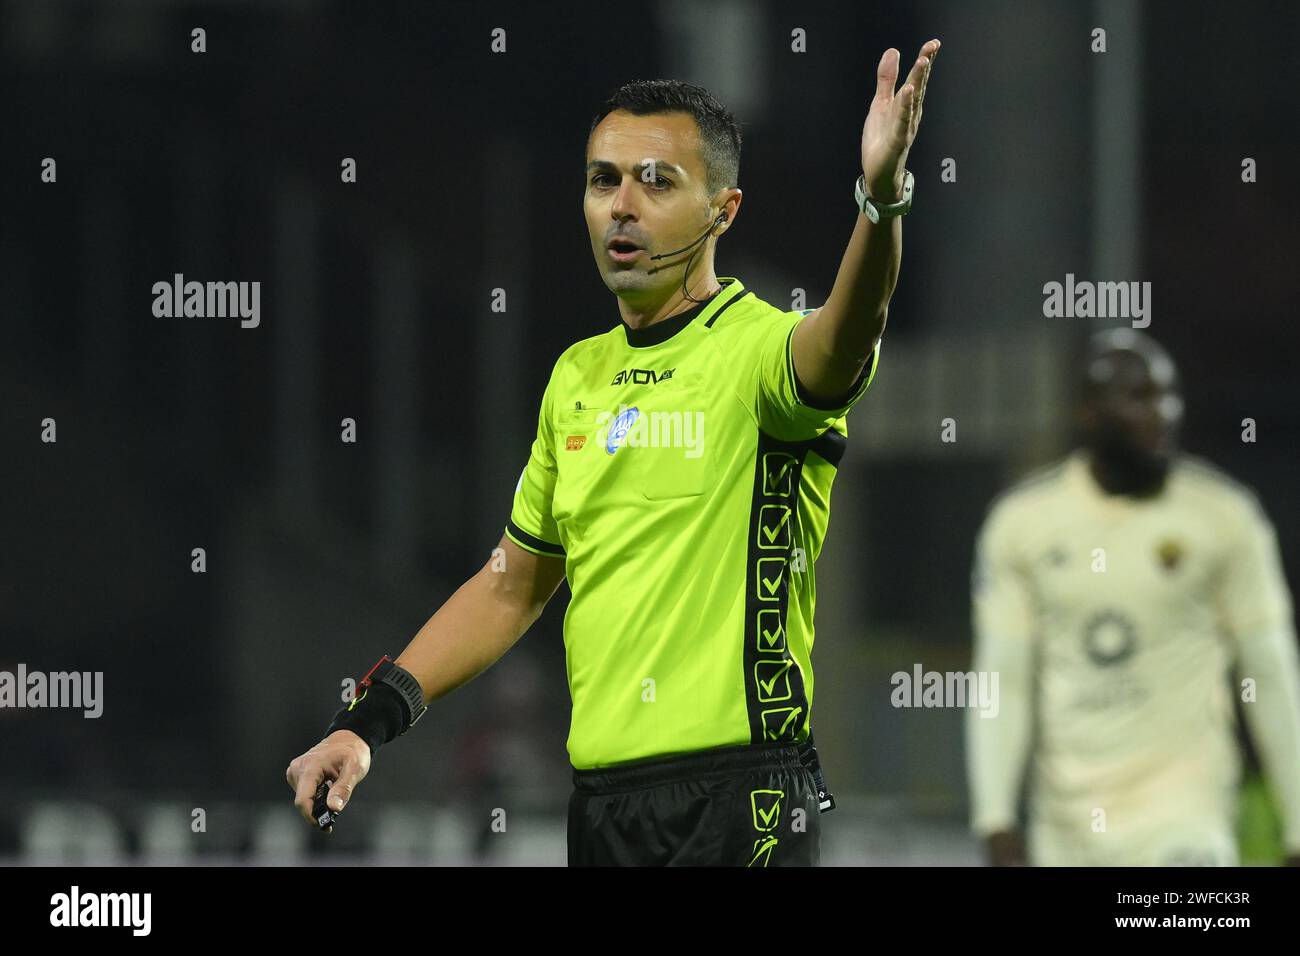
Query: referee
{"points": [[680, 479]]}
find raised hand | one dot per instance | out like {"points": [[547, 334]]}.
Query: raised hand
{"points": [[892, 122]]}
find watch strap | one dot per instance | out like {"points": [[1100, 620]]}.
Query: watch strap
{"points": [[401, 680], [875, 211]]}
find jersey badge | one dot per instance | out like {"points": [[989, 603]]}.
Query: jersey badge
{"points": [[619, 428]]}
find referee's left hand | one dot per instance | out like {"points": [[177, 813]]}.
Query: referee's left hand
{"points": [[892, 123]]}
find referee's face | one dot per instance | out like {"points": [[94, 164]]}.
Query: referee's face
{"points": [[645, 193]]}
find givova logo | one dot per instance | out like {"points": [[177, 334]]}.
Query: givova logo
{"points": [[642, 376], [75, 908]]}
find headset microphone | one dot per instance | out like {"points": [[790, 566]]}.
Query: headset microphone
{"points": [[722, 217]]}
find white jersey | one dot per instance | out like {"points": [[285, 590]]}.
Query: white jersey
{"points": [[1114, 624]]}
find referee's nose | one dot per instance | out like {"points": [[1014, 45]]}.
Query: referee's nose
{"points": [[623, 208]]}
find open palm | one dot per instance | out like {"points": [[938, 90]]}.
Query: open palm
{"points": [[892, 122]]}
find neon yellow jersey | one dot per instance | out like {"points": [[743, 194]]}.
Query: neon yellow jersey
{"points": [[685, 479]]}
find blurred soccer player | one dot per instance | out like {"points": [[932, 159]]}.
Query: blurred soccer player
{"points": [[1113, 594], [680, 479]]}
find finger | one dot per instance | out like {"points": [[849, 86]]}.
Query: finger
{"points": [[904, 104], [305, 793], [920, 94], [918, 103], [887, 74], [916, 74], [930, 50], [341, 789]]}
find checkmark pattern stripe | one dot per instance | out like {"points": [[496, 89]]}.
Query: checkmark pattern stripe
{"points": [[765, 813], [690, 552], [774, 689]]}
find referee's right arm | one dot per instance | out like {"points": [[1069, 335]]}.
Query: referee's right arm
{"points": [[483, 619], [464, 637]]}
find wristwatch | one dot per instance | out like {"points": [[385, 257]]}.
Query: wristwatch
{"points": [[402, 681], [875, 211]]}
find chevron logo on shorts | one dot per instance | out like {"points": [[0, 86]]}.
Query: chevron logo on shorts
{"points": [[763, 847]]}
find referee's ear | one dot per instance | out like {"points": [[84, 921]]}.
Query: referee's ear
{"points": [[729, 197]]}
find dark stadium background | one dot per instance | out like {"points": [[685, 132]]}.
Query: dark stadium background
{"points": [[175, 434]]}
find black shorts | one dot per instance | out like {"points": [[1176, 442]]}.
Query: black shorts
{"points": [[751, 805]]}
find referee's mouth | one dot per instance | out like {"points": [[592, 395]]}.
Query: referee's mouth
{"points": [[623, 250]]}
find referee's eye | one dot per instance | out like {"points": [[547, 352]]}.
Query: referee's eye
{"points": [[659, 182]]}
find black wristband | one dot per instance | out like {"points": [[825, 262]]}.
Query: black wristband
{"points": [[377, 718]]}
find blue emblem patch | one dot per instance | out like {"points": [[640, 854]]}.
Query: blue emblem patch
{"points": [[618, 429]]}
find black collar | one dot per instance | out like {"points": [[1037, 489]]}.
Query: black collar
{"points": [[665, 329]]}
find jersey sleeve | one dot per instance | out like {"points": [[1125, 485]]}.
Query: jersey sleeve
{"points": [[1000, 594], [531, 524], [782, 405], [1257, 612], [1254, 597], [998, 741]]}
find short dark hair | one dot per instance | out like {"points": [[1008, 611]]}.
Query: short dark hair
{"points": [[1122, 340], [719, 131]]}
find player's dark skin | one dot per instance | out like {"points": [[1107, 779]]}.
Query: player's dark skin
{"points": [[1130, 415], [1129, 419]]}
